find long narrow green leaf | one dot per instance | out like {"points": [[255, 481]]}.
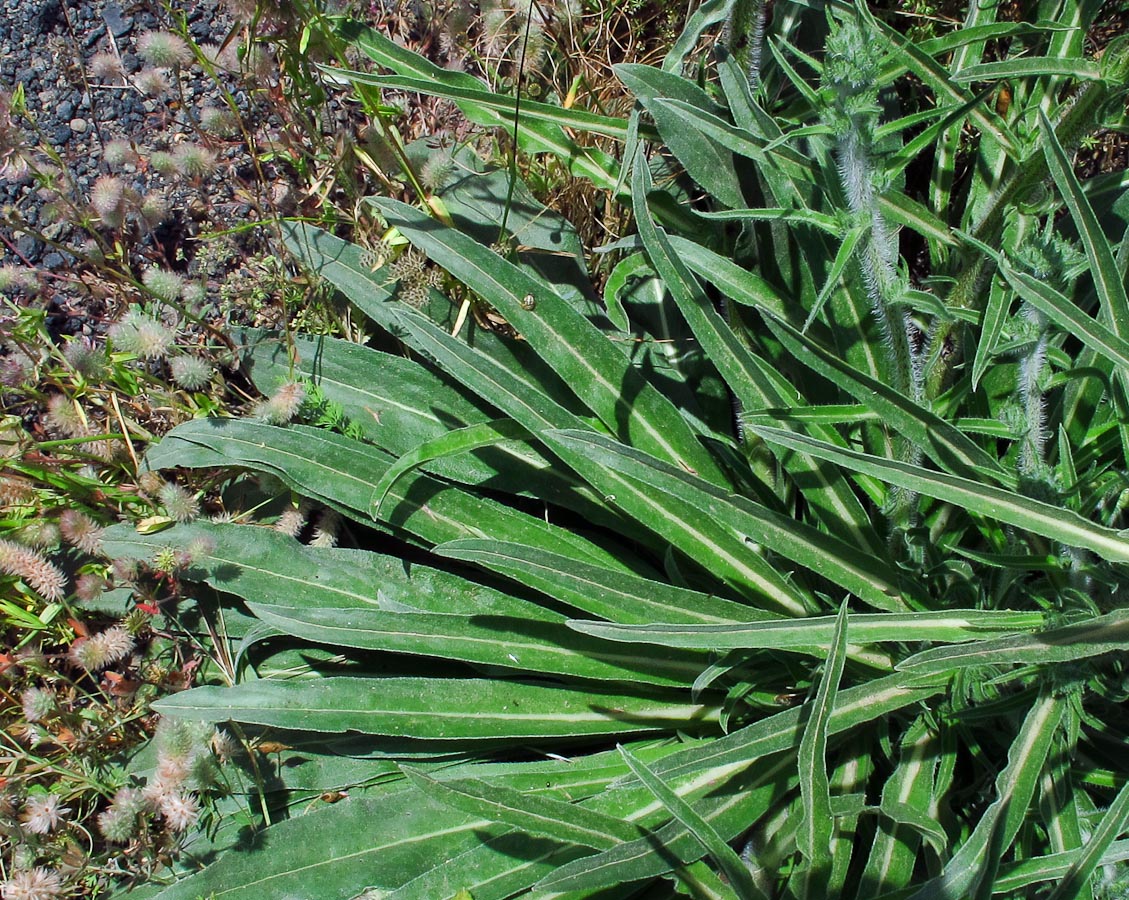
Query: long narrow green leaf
{"points": [[824, 488], [452, 443], [1108, 282], [442, 709], [818, 632], [342, 473], [1029, 67], [940, 441], [971, 870], [669, 517], [606, 126], [1041, 518], [707, 767], [894, 851], [817, 825], [1094, 637], [737, 873], [870, 578], [569, 823], [342, 849], [581, 355], [613, 595]]}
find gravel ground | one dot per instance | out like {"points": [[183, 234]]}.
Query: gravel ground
{"points": [[51, 49]]}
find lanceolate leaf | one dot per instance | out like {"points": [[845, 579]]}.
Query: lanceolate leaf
{"points": [[617, 596], [939, 440], [971, 870], [817, 632], [817, 825], [706, 768], [669, 518], [726, 858], [582, 356], [437, 709], [1023, 512], [1094, 637], [342, 473], [870, 578]]}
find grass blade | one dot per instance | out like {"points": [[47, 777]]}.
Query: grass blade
{"points": [[817, 824], [740, 879]]}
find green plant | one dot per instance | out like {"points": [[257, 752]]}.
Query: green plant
{"points": [[587, 628]]}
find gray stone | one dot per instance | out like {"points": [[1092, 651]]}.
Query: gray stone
{"points": [[118, 22], [78, 126]]}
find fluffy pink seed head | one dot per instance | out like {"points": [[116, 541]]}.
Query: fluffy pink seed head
{"points": [[81, 531], [106, 196], [43, 577]]}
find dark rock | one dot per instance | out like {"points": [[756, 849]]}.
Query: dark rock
{"points": [[26, 76], [65, 110], [118, 22], [54, 260], [61, 134], [93, 36], [29, 248]]}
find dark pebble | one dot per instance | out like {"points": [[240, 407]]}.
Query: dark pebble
{"points": [[26, 76], [61, 134], [93, 36], [65, 110], [119, 24], [54, 260], [29, 248], [49, 16]]}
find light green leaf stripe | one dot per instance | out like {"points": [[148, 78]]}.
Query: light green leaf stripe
{"points": [[441, 709], [502, 103], [862, 628], [817, 825], [868, 577], [1029, 67], [452, 443], [581, 355], [737, 873], [617, 596], [978, 858], [1045, 519], [1104, 634], [569, 823]]}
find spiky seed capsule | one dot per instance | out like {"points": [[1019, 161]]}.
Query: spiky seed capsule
{"points": [[81, 531], [163, 48], [43, 577], [39, 534], [105, 66], [154, 208], [103, 649], [38, 703], [119, 153], [152, 82], [63, 416], [194, 293], [106, 196], [33, 884], [191, 372], [43, 813], [284, 405], [178, 503], [87, 360], [142, 335], [89, 587], [163, 283], [219, 120], [162, 162], [193, 160], [17, 278]]}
